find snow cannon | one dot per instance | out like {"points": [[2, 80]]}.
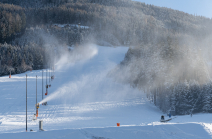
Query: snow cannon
{"points": [[118, 124], [37, 106]]}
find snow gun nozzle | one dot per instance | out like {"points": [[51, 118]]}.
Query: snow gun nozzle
{"points": [[37, 105]]}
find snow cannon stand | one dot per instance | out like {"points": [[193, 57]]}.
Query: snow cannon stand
{"points": [[36, 115], [37, 107]]}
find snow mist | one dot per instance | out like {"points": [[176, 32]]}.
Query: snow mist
{"points": [[79, 54], [89, 82]]}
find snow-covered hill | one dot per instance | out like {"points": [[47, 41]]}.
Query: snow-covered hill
{"points": [[84, 103]]}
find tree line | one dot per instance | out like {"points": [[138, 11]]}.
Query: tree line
{"points": [[18, 59], [12, 22]]}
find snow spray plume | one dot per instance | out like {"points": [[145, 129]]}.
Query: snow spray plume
{"points": [[63, 55], [77, 54], [92, 87], [155, 65]]}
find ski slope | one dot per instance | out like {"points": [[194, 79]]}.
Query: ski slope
{"points": [[84, 103]]}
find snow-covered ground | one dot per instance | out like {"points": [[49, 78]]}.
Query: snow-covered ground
{"points": [[84, 103]]}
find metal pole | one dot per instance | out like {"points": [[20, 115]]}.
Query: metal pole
{"points": [[42, 84], [26, 102], [53, 65], [46, 79], [49, 73], [46, 76], [36, 94]]}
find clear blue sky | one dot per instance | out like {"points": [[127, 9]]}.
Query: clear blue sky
{"points": [[199, 7]]}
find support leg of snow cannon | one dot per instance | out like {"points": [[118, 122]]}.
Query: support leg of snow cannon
{"points": [[36, 113]]}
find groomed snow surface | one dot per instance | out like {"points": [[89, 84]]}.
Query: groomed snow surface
{"points": [[83, 103]]}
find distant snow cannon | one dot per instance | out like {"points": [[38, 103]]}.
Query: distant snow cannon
{"points": [[10, 75]]}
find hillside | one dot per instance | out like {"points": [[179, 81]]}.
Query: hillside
{"points": [[125, 22], [169, 49]]}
